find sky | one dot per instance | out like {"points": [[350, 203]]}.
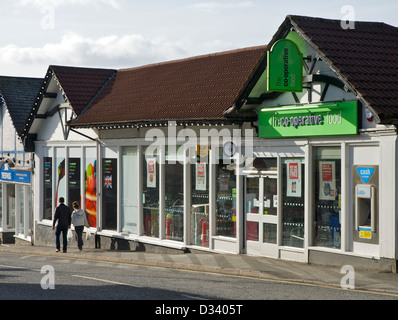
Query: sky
{"points": [[121, 34]]}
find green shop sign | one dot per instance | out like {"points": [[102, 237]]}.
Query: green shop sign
{"points": [[324, 119], [285, 67]]}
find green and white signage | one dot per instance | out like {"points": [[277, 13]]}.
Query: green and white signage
{"points": [[285, 67], [323, 119]]}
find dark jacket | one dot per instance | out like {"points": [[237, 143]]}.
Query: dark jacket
{"points": [[63, 216]]}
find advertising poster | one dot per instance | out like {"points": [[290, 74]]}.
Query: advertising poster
{"points": [[201, 178], [91, 192], [74, 180], [293, 179], [60, 191], [327, 183], [48, 188], [151, 173], [109, 174]]}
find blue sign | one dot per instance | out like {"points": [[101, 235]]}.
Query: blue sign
{"points": [[22, 176], [6, 173], [9, 175], [365, 173]]}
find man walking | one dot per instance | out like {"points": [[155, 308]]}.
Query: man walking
{"points": [[63, 217]]}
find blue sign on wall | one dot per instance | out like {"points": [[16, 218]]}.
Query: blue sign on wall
{"points": [[365, 173], [9, 175]]}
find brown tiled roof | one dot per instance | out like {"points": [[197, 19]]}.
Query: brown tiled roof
{"points": [[80, 85], [190, 89], [367, 57]]}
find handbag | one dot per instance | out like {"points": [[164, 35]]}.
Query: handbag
{"points": [[88, 234], [69, 235]]}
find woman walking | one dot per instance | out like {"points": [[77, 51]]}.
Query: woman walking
{"points": [[79, 220]]}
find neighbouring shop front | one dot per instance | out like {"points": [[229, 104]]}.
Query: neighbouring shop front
{"points": [[16, 214]]}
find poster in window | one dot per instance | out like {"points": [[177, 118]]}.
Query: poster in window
{"points": [[48, 188], [74, 180], [293, 179], [60, 191], [151, 173], [201, 178], [109, 172], [91, 191], [327, 180]]}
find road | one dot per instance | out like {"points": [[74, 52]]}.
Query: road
{"points": [[50, 278]]}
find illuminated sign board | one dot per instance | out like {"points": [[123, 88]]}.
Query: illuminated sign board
{"points": [[285, 67], [323, 119]]}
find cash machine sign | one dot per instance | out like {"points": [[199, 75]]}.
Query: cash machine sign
{"points": [[365, 173]]}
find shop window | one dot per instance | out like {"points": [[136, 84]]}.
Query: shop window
{"points": [[109, 194], [74, 184], [130, 190], [226, 199], [60, 163], [48, 188], [151, 195], [293, 202], [21, 209], [90, 178], [200, 201], [1, 205], [327, 197], [174, 200], [10, 217], [29, 222]]}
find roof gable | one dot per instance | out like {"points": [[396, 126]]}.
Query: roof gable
{"points": [[18, 94], [189, 89], [80, 85], [366, 57]]}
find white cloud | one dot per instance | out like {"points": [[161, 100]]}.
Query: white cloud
{"points": [[106, 52]]}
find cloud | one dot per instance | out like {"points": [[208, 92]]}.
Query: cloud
{"points": [[106, 52], [212, 6], [57, 3]]}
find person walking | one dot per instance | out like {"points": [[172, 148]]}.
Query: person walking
{"points": [[79, 220], [63, 218]]}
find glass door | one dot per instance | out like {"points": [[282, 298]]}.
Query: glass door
{"points": [[262, 215]]}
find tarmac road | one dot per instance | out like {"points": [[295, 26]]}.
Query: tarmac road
{"points": [[31, 277]]}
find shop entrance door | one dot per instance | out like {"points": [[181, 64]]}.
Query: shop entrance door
{"points": [[261, 205]]}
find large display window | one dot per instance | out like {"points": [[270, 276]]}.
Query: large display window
{"points": [[293, 202], [174, 199], [199, 200], [109, 194], [90, 180], [150, 197], [327, 197], [225, 199], [129, 190]]}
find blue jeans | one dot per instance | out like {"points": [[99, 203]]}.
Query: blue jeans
{"points": [[64, 231]]}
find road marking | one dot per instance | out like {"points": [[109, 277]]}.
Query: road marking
{"points": [[106, 281]]}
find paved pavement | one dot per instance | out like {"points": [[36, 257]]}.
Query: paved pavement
{"points": [[228, 264]]}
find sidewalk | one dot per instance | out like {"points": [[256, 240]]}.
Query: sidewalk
{"points": [[227, 264]]}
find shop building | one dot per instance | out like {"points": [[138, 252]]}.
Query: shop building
{"points": [[286, 151], [16, 214], [326, 147], [60, 154]]}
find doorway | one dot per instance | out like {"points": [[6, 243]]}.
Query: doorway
{"points": [[261, 207]]}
